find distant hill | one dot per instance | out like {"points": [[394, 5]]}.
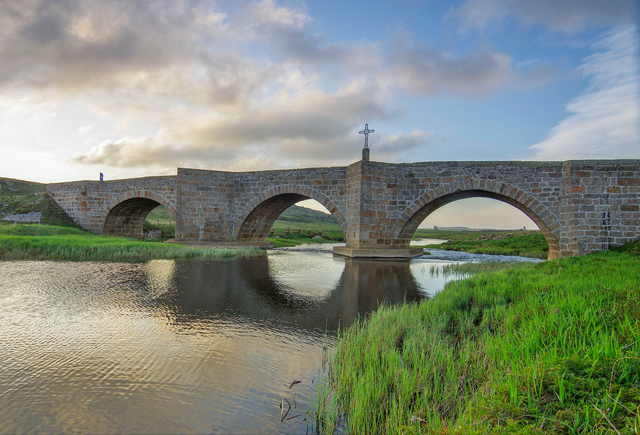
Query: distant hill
{"points": [[20, 197], [451, 228], [305, 215], [11, 188]]}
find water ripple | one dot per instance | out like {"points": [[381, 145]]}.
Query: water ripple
{"points": [[177, 346]]}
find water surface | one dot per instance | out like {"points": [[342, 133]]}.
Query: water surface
{"points": [[180, 346]]}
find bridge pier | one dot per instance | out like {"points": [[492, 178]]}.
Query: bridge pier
{"points": [[396, 253]]}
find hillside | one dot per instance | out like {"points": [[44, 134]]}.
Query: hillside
{"points": [[20, 197], [305, 215]]}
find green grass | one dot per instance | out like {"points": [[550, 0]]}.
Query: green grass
{"points": [[19, 197], [530, 244], [546, 348], [11, 189], [297, 225], [160, 218], [43, 242]]}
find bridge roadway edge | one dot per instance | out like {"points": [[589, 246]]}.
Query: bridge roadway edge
{"points": [[581, 206]]}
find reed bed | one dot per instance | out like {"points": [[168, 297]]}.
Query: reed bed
{"points": [[41, 242], [552, 347]]}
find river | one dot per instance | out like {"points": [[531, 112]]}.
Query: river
{"points": [[182, 346]]}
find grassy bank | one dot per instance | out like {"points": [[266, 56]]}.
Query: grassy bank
{"points": [[529, 244], [546, 348], [45, 242]]}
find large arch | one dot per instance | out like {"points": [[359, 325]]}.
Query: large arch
{"points": [[418, 211], [126, 214], [257, 218]]}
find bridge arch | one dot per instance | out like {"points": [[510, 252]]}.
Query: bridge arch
{"points": [[125, 215], [418, 211], [257, 218]]}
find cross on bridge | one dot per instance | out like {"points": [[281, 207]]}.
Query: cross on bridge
{"points": [[366, 132]]}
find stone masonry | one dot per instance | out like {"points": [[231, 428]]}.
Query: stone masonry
{"points": [[580, 206], [117, 207]]}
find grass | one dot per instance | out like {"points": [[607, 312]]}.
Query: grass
{"points": [[160, 218], [298, 225], [530, 244], [45, 242], [19, 197], [547, 348]]}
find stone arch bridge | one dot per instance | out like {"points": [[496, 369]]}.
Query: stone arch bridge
{"points": [[580, 206]]}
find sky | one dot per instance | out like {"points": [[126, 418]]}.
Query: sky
{"points": [[138, 88]]}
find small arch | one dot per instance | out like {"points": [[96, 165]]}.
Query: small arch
{"points": [[257, 218], [125, 215], [418, 211]]}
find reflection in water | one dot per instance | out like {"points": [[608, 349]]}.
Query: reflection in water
{"points": [[179, 346], [252, 288]]}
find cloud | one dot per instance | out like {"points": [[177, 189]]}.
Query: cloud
{"points": [[249, 90], [283, 30], [423, 70], [605, 120], [566, 16], [402, 146], [310, 128], [426, 71], [80, 43], [85, 130]]}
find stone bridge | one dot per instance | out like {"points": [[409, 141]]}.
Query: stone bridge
{"points": [[580, 206]]}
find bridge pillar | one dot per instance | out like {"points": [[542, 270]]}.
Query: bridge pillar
{"points": [[370, 216], [600, 205]]}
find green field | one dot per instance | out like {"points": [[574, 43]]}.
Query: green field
{"points": [[160, 218], [525, 244], [46, 242], [18, 197], [550, 348], [299, 225]]}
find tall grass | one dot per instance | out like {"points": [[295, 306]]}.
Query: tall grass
{"points": [[42, 242], [546, 348], [532, 244]]}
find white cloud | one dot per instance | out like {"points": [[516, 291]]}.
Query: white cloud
{"points": [[401, 146], [565, 16], [85, 130], [605, 119], [427, 71], [185, 84]]}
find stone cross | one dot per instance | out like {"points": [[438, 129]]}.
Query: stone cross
{"points": [[366, 132]]}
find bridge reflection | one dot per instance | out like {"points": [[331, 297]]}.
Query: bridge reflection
{"points": [[259, 290]]}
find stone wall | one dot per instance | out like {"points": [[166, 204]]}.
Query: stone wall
{"points": [[580, 206], [256, 195], [205, 210], [396, 198], [89, 203], [229, 207], [600, 205]]}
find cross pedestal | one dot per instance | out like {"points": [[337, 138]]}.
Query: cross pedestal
{"points": [[365, 154]]}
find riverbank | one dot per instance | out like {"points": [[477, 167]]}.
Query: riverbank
{"points": [[552, 347], [530, 244], [48, 242]]}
